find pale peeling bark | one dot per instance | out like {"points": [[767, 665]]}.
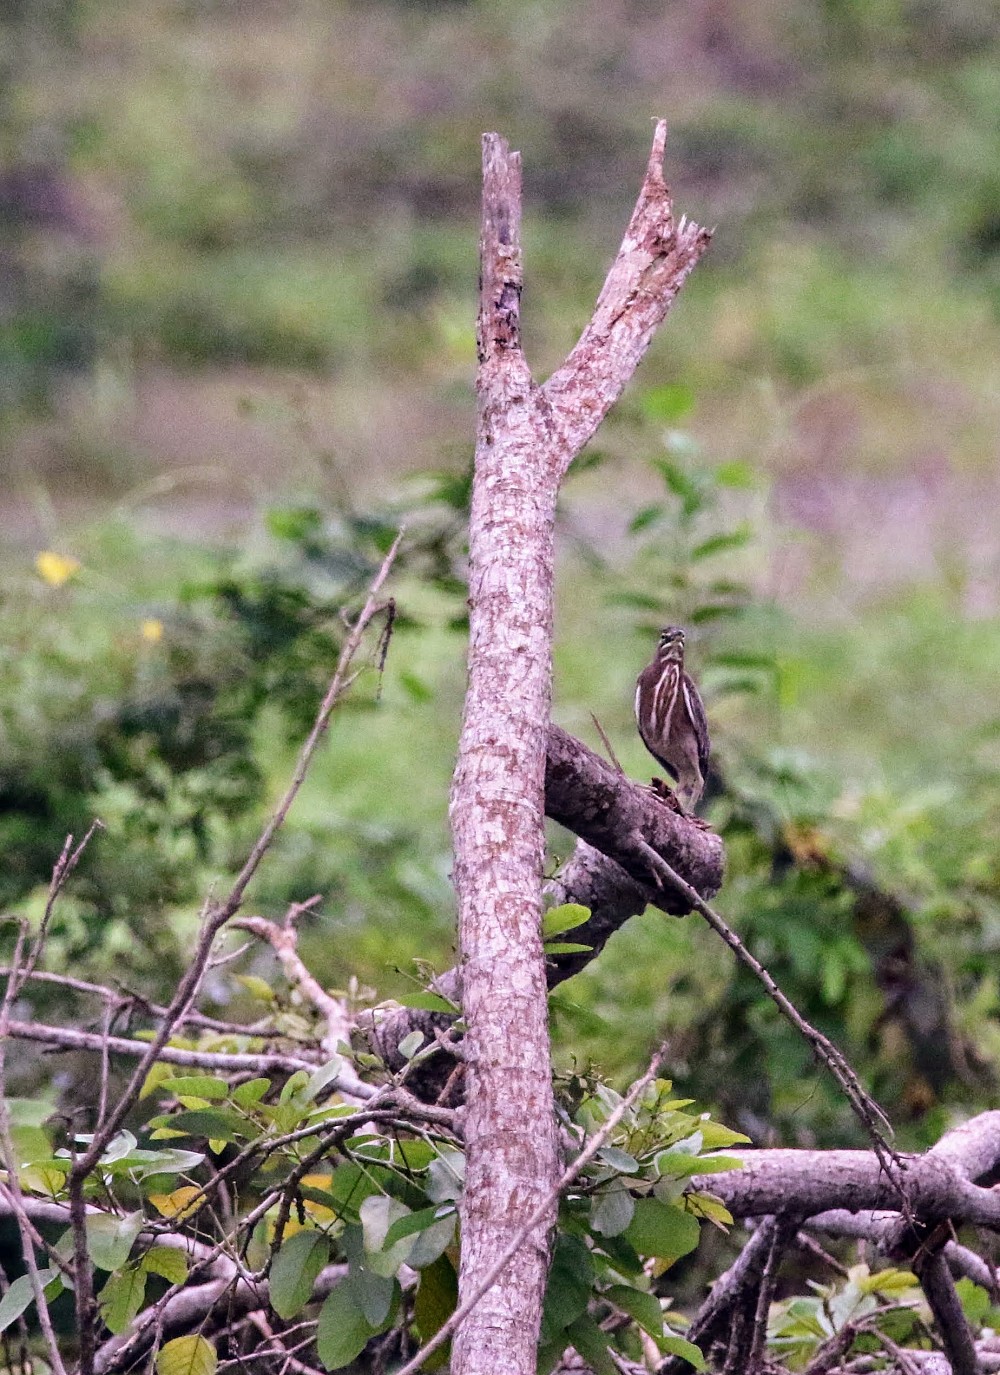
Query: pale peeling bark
{"points": [[527, 436]]}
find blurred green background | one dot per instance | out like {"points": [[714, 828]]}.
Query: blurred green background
{"points": [[237, 300]]}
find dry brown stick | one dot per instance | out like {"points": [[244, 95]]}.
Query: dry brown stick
{"points": [[214, 918], [526, 1227], [13, 1183], [68, 1038], [283, 940], [868, 1112], [119, 998]]}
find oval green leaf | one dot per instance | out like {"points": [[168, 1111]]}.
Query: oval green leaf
{"points": [[294, 1271], [187, 1356], [662, 1230], [342, 1331]]}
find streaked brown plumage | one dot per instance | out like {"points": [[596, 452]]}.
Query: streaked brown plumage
{"points": [[671, 718]]}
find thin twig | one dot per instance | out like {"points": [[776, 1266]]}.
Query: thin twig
{"points": [[217, 916], [122, 997], [784, 1230], [283, 941], [12, 1187], [535, 1217], [67, 1038], [607, 744], [868, 1112], [214, 918]]}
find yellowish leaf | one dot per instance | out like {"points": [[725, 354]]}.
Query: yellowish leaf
{"points": [[177, 1204]]}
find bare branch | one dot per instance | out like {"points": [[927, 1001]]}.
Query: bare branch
{"points": [[810, 1183], [12, 1185], [713, 1317], [283, 940], [868, 1112], [217, 916], [654, 261], [938, 1285], [66, 1038]]}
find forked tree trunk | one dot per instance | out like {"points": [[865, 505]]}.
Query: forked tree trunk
{"points": [[527, 436]]}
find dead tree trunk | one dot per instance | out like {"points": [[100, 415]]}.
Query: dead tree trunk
{"points": [[527, 437]]}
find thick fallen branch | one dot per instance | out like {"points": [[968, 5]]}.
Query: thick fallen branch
{"points": [[813, 1182], [938, 1186]]}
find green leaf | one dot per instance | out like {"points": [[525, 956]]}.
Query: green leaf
{"points": [[342, 1332], [436, 1299], [662, 1230], [643, 519], [294, 1270], [720, 544], [680, 485], [110, 1239], [894, 1283], [257, 987], [121, 1298], [714, 1136], [294, 1086], [618, 1160], [678, 1165], [564, 948], [142, 1164], [187, 1356], [218, 1124], [429, 1002], [201, 1085], [673, 1345], [570, 1282], [736, 473], [432, 1242], [565, 917], [446, 1177], [21, 1295], [410, 1044], [611, 1209], [375, 1294], [592, 1345], [415, 687], [348, 1188], [638, 1304], [323, 1077], [26, 1119], [710, 1207], [377, 1214], [248, 1095], [406, 1225], [168, 1261]]}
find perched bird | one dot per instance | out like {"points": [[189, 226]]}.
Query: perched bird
{"points": [[671, 718]]}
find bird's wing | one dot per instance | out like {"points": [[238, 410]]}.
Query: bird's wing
{"points": [[696, 710]]}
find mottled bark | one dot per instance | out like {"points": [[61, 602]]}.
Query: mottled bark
{"points": [[526, 438]]}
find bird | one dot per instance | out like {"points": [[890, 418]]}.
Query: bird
{"points": [[671, 718]]}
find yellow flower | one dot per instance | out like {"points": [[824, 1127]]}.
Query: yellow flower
{"points": [[152, 631], [55, 569]]}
